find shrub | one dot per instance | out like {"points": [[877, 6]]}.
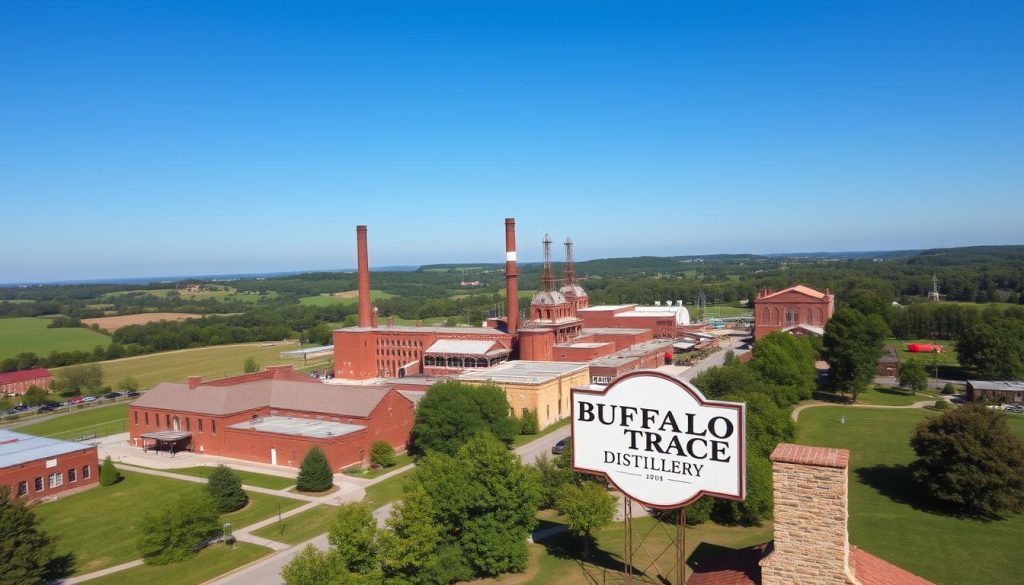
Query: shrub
{"points": [[942, 405], [382, 454], [949, 389], [528, 424], [315, 473], [109, 475], [225, 488]]}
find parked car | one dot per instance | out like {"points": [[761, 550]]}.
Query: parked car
{"points": [[76, 400], [560, 447], [89, 399], [49, 406], [131, 393], [112, 395], [21, 408]]}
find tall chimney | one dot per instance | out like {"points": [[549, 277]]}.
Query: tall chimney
{"points": [[365, 312], [570, 269], [511, 276]]}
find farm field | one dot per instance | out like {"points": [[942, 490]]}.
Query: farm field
{"points": [[211, 562], [229, 294], [100, 526], [115, 323], [349, 297], [889, 520], [91, 420], [300, 527], [210, 362], [21, 334]]}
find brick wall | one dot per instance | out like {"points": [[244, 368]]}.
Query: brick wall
{"points": [[76, 471], [811, 543]]}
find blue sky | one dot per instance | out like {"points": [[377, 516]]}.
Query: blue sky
{"points": [[150, 138]]}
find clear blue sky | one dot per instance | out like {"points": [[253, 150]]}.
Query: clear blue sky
{"points": [[152, 138]]}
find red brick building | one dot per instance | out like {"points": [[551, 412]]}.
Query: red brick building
{"points": [[798, 309], [39, 468], [271, 417], [17, 383]]}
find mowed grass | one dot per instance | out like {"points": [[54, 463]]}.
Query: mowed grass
{"points": [[100, 526], [559, 558], [721, 311], [889, 519], [401, 460], [29, 334], [211, 562], [947, 357], [349, 297], [91, 420], [209, 362], [881, 395], [300, 527], [386, 491], [263, 480]]}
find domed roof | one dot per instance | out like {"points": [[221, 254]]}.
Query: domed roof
{"points": [[573, 290], [548, 298]]}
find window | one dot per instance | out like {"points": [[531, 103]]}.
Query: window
{"points": [[200, 424], [213, 426], [167, 419], [39, 484], [188, 424], [56, 479], [136, 417], [22, 489], [85, 472], [72, 475], [147, 418]]}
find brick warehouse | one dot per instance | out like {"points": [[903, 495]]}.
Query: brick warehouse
{"points": [[39, 468], [798, 309], [274, 416], [18, 383]]}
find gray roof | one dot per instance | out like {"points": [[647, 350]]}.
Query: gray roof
{"points": [[522, 372], [299, 427], [336, 399], [633, 352], [1000, 385], [548, 297], [19, 448], [465, 347]]}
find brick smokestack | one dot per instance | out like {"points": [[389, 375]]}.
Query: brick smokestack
{"points": [[811, 542], [363, 259], [511, 276]]}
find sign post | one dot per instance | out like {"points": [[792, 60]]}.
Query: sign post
{"points": [[663, 444]]}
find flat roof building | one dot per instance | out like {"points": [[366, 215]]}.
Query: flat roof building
{"points": [[39, 468], [996, 390], [541, 387]]}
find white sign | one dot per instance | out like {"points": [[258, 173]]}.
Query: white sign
{"points": [[659, 440]]}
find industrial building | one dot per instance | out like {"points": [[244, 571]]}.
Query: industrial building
{"points": [[541, 387], [274, 416], [799, 310], [1000, 391], [18, 383], [37, 468]]}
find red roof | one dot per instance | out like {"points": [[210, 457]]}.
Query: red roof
{"points": [[871, 570], [805, 455], [9, 377], [804, 290]]}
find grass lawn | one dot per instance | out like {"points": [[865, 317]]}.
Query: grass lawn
{"points": [[349, 297], [211, 562], [385, 492], [721, 311], [100, 526], [557, 560], [401, 459], [300, 527], [948, 356], [521, 440], [209, 362], [274, 482], [883, 395], [889, 520], [22, 334], [91, 420]]}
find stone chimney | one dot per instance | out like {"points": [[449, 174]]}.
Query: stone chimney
{"points": [[194, 382], [811, 540]]}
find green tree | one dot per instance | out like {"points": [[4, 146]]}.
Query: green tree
{"points": [[315, 473], [225, 488], [34, 396], [128, 384], [310, 567], [485, 502], [178, 530], [528, 424], [586, 508], [382, 454], [995, 350], [353, 539], [25, 550], [786, 360], [451, 413], [913, 377], [409, 546], [551, 477], [250, 365], [853, 344], [6, 404], [78, 379], [109, 475], [970, 460]]}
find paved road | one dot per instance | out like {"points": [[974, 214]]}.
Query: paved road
{"points": [[716, 359]]}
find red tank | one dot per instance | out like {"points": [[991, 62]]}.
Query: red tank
{"points": [[924, 348]]}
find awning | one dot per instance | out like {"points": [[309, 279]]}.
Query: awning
{"points": [[169, 436]]}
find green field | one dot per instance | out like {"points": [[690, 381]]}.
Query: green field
{"points": [[211, 562], [90, 420], [263, 480], [22, 334], [947, 358], [300, 527], [346, 298], [209, 362], [887, 517], [100, 526], [721, 311], [883, 395], [230, 294]]}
